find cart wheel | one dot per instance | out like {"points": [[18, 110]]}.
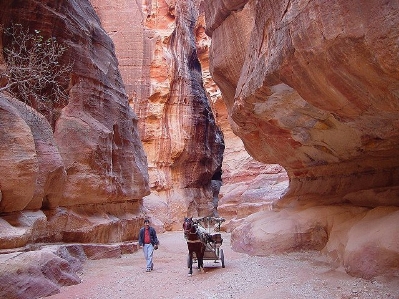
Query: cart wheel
{"points": [[222, 257], [189, 261]]}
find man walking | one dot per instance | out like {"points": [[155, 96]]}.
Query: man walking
{"points": [[148, 241]]}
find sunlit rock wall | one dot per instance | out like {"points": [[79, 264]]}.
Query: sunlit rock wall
{"points": [[248, 186], [313, 86], [155, 44], [84, 178]]}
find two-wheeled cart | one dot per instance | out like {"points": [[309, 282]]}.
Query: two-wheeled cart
{"points": [[209, 227]]}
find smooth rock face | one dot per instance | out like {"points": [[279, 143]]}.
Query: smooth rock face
{"points": [[91, 160], [51, 175], [42, 272], [17, 148], [247, 186], [372, 247], [313, 86], [269, 232], [183, 144], [96, 133], [361, 240]]}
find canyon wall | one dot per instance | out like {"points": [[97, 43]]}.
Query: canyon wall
{"points": [[83, 178], [313, 92], [248, 186], [78, 177], [148, 59], [308, 85], [313, 86], [155, 44]]}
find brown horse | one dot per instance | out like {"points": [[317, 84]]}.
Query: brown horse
{"points": [[194, 244]]}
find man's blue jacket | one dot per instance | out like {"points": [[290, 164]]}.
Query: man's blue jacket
{"points": [[153, 236]]}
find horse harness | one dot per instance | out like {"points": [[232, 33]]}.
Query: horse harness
{"points": [[192, 233]]}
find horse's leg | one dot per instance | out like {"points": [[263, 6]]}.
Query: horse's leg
{"points": [[201, 264], [200, 254], [190, 263], [195, 250], [199, 258]]}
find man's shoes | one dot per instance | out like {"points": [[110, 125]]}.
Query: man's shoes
{"points": [[150, 269]]}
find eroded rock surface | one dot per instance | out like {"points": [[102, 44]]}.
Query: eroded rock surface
{"points": [[312, 92], [183, 144], [42, 272], [247, 185], [361, 240], [313, 86], [90, 159]]}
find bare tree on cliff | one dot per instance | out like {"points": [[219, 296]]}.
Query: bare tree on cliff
{"points": [[34, 73]]}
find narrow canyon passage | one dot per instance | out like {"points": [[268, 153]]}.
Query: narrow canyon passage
{"points": [[177, 108], [296, 275]]}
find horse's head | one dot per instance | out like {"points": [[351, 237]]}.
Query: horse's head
{"points": [[188, 225]]}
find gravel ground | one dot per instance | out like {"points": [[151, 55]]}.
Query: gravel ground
{"points": [[296, 275]]}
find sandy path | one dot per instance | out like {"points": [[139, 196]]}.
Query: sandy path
{"points": [[297, 275]]}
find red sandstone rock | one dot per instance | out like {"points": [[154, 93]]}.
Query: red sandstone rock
{"points": [[94, 156], [362, 240], [21, 228], [248, 186], [373, 248], [34, 274], [46, 175], [51, 175], [179, 133], [357, 238], [110, 223], [40, 273], [17, 147], [313, 86], [96, 132], [289, 230]]}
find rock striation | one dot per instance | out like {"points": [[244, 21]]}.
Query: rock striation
{"points": [[313, 86], [248, 186], [43, 271], [88, 172], [79, 179], [304, 89], [163, 76]]}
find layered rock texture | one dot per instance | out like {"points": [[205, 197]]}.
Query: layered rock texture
{"points": [[83, 179], [41, 272], [313, 86], [156, 46], [80, 180], [248, 186], [308, 88]]}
